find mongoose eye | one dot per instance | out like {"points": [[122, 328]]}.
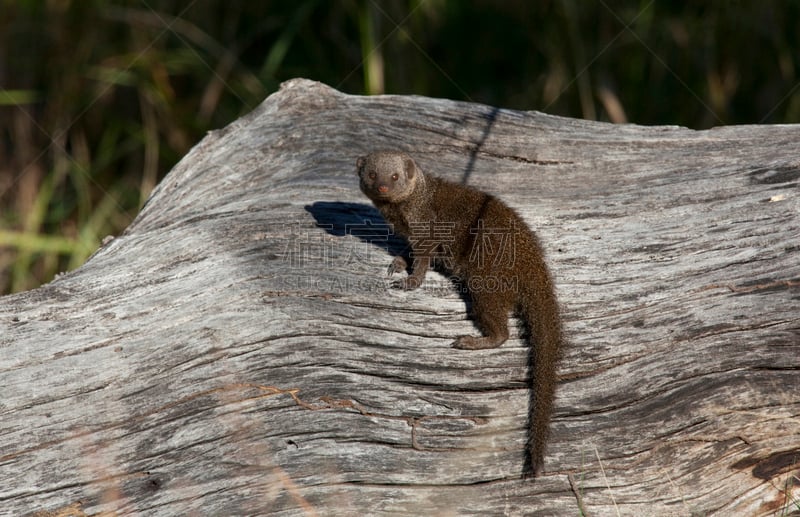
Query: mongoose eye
{"points": [[394, 177], [372, 175]]}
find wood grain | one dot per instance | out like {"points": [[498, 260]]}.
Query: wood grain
{"points": [[236, 350]]}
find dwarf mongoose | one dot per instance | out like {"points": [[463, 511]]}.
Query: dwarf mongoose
{"points": [[487, 247]]}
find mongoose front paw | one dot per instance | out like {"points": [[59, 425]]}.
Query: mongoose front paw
{"points": [[398, 265]]}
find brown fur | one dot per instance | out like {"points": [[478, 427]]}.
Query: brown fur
{"points": [[486, 245]]}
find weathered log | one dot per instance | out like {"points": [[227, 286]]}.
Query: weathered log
{"points": [[236, 351]]}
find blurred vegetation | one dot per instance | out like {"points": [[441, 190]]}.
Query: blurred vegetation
{"points": [[100, 98]]}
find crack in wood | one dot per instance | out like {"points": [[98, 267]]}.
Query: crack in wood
{"points": [[752, 288], [412, 421], [607, 366], [772, 465], [523, 159]]}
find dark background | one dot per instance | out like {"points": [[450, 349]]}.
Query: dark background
{"points": [[99, 99]]}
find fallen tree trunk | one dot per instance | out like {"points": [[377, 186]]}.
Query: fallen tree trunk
{"points": [[237, 351]]}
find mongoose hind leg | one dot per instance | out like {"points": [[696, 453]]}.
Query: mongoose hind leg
{"points": [[491, 314]]}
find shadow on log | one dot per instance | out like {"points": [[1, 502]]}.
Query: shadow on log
{"points": [[236, 350]]}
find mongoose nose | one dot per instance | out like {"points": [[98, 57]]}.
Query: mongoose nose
{"points": [[383, 189]]}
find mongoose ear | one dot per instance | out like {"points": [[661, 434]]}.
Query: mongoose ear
{"points": [[360, 162], [410, 166]]}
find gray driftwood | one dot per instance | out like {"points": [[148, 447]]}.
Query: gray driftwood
{"points": [[236, 350]]}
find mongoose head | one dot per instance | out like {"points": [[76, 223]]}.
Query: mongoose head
{"points": [[387, 176]]}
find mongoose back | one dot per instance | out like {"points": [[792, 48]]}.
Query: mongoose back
{"points": [[489, 248]]}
